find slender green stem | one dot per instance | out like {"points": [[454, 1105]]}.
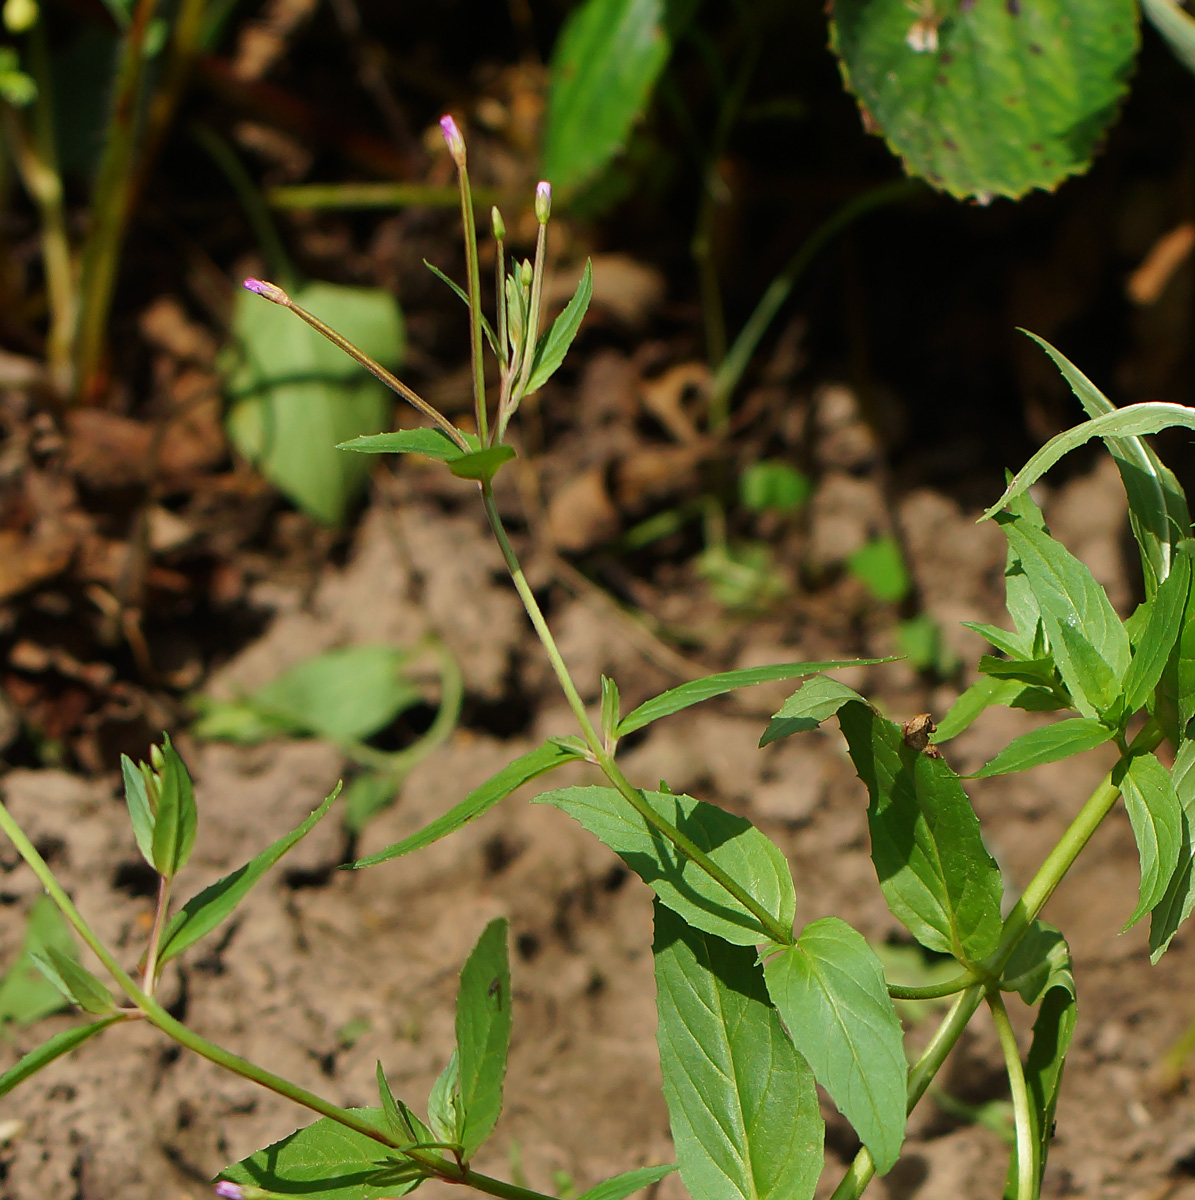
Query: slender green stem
{"points": [[54, 890], [156, 1015], [775, 929], [933, 991], [372, 195], [1027, 1172], [730, 369], [473, 272], [44, 175], [150, 975], [277, 296], [111, 200]]}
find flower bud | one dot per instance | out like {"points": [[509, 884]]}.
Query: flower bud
{"points": [[543, 201], [228, 1190], [498, 224], [456, 143], [526, 273], [268, 291]]}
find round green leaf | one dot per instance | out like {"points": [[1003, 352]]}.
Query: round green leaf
{"points": [[988, 97]]}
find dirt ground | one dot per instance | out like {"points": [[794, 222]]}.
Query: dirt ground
{"points": [[142, 562], [324, 972]]}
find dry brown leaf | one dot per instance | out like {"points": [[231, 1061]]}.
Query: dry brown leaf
{"points": [[1147, 283]]}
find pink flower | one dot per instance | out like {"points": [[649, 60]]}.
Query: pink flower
{"points": [[456, 143], [543, 201]]}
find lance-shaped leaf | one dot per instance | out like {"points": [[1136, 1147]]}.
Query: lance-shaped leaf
{"points": [[604, 66], [1161, 626], [741, 1101], [176, 817], [814, 701], [1133, 420], [528, 766], [1179, 901], [141, 813], [208, 908], [74, 981], [26, 995], [431, 443], [1040, 970], [698, 690], [935, 872], [831, 994], [627, 1183], [55, 1047], [1157, 819], [1157, 507], [731, 842], [329, 1161], [1049, 744], [1088, 641], [987, 691], [988, 99], [554, 344], [400, 1120], [483, 1035]]}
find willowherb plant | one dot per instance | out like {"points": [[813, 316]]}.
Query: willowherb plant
{"points": [[752, 1013]]}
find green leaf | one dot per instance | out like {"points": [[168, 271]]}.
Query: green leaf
{"points": [[935, 872], [626, 1184], [697, 690], [55, 1047], [481, 465], [610, 709], [1159, 634], [988, 99], [732, 842], [603, 68], [1043, 962], [774, 486], [812, 703], [1046, 745], [1157, 507], [295, 396], [74, 981], [529, 766], [741, 1100], [443, 1112], [402, 1122], [176, 817], [344, 695], [1012, 644], [26, 995], [1179, 901], [1038, 672], [1131, 421], [832, 997], [1176, 26], [141, 815], [483, 1035], [208, 908], [553, 346], [328, 1161], [431, 443], [880, 566], [1157, 819], [1088, 641], [981, 695]]}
